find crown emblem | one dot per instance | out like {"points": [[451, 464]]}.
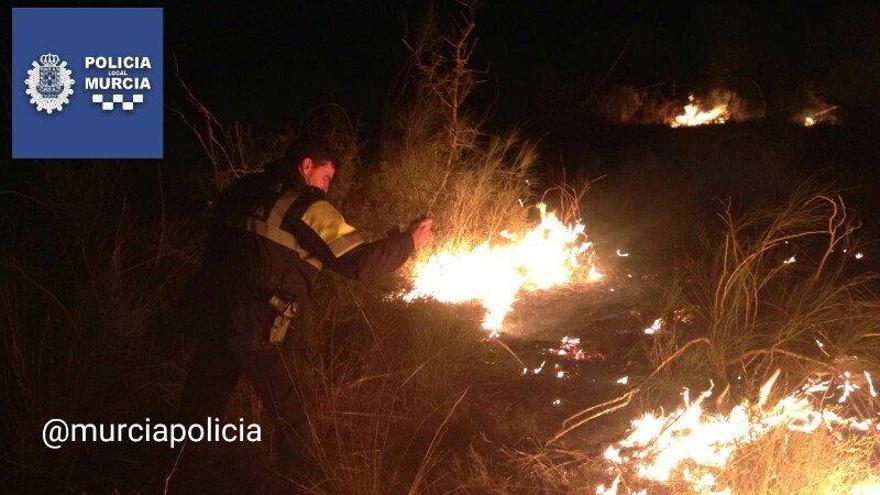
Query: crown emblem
{"points": [[49, 83], [49, 60]]}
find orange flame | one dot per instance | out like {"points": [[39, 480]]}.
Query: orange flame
{"points": [[550, 254], [694, 114], [696, 445]]}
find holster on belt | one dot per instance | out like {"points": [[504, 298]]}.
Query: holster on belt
{"points": [[285, 308]]}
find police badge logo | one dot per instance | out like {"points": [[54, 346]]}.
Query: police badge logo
{"points": [[49, 83]]}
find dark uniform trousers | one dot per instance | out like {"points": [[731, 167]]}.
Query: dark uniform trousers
{"points": [[281, 376]]}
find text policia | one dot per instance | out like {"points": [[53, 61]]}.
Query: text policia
{"points": [[117, 76]]}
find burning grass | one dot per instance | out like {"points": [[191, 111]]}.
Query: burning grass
{"points": [[817, 112], [696, 114], [755, 448], [550, 254], [439, 160], [628, 105], [783, 291]]}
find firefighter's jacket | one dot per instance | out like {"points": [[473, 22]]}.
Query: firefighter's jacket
{"points": [[268, 234]]}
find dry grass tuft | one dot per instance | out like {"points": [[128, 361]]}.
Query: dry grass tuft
{"points": [[787, 462], [780, 281]]}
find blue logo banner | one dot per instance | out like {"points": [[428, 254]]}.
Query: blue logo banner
{"points": [[87, 83]]}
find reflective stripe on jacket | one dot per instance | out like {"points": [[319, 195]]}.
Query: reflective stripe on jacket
{"points": [[320, 216], [300, 233]]}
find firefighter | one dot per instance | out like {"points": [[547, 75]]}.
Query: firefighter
{"points": [[271, 234]]}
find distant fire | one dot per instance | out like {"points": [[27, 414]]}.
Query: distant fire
{"points": [[816, 111], [697, 114], [809, 118], [494, 274], [691, 447]]}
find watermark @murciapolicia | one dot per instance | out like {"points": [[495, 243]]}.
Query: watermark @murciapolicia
{"points": [[59, 432]]}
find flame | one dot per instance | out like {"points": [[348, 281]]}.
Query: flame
{"points": [[826, 116], [816, 111], [694, 114], [655, 327], [692, 445], [869, 487], [550, 254]]}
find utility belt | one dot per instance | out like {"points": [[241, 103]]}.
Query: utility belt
{"points": [[285, 310]]}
